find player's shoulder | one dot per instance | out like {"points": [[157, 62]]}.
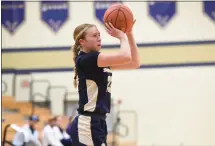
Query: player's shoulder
{"points": [[83, 55], [87, 59], [90, 54]]}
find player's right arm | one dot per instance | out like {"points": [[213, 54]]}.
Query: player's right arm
{"points": [[123, 56]]}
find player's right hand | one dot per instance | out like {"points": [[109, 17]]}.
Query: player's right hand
{"points": [[114, 32]]}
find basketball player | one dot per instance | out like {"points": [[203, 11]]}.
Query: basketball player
{"points": [[93, 72]]}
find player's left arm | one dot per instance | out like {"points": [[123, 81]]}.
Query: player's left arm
{"points": [[135, 63]]}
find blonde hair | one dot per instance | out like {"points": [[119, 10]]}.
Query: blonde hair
{"points": [[79, 33]]}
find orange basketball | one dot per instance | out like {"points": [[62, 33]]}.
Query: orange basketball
{"points": [[120, 16]]}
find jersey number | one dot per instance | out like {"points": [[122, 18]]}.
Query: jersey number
{"points": [[109, 84]]}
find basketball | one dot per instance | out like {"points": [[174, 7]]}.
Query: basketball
{"points": [[120, 16]]}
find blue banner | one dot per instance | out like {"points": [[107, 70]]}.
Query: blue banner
{"points": [[54, 13], [209, 9], [101, 7], [13, 14], [162, 12]]}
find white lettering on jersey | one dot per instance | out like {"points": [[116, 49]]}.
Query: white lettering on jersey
{"points": [[107, 70], [109, 84], [109, 79]]}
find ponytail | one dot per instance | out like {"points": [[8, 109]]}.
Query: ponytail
{"points": [[79, 33], [76, 50]]}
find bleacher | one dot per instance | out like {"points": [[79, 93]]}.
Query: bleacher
{"points": [[16, 113]]}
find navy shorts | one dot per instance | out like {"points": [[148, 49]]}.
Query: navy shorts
{"points": [[88, 131]]}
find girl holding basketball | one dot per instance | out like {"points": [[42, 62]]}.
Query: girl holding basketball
{"points": [[93, 73]]}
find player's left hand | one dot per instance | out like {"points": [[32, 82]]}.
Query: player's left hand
{"points": [[130, 31]]}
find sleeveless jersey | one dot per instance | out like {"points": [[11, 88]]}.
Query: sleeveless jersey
{"points": [[94, 84]]}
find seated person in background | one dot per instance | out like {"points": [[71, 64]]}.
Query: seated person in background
{"points": [[28, 135], [62, 134], [52, 135], [71, 118], [68, 128]]}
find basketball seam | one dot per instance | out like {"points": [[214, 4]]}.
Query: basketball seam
{"points": [[116, 18], [109, 14], [127, 11], [125, 21]]}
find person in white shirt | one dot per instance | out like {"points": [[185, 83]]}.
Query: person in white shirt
{"points": [[62, 134], [28, 135], [51, 136]]}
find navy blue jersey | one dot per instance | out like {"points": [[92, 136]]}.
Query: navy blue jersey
{"points": [[94, 84]]}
